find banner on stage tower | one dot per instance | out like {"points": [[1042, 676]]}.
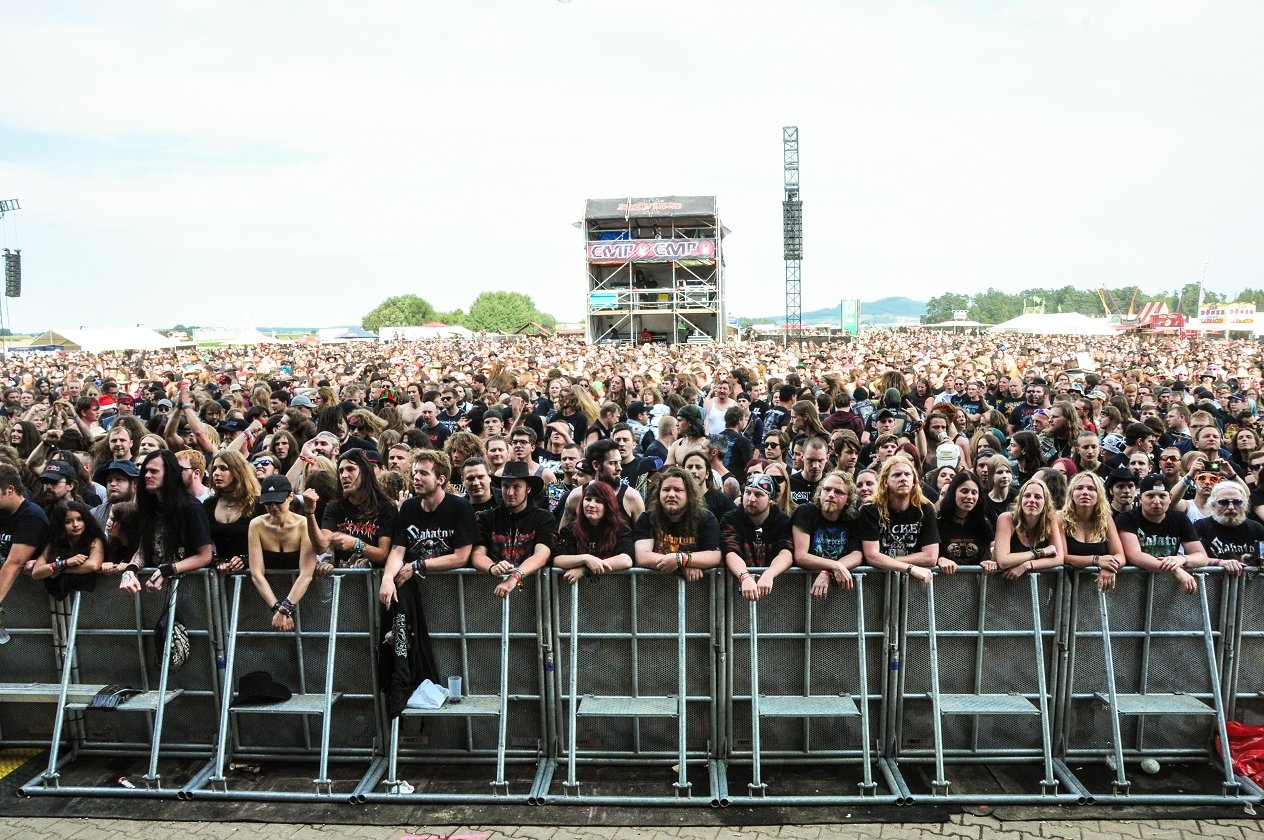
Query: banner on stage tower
{"points": [[651, 250]]}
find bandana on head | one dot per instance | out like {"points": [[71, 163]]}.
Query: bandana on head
{"points": [[762, 481]]}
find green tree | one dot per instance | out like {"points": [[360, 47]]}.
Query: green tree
{"points": [[939, 309], [1255, 296], [399, 311], [456, 316], [995, 306], [505, 312]]}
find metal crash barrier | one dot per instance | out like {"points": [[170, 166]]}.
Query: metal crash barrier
{"points": [[333, 709], [640, 655], [123, 641], [1144, 681], [494, 645], [806, 684], [30, 665], [974, 684], [974, 688]]}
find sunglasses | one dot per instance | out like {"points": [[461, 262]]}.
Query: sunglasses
{"points": [[1209, 478], [1225, 503], [264, 462], [1167, 459], [775, 443]]}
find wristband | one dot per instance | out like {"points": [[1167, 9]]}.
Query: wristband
{"points": [[743, 576], [419, 567], [583, 571], [284, 607], [131, 567], [680, 560], [517, 574], [59, 565], [1035, 555], [167, 570]]}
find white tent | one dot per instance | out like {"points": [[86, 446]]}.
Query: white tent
{"points": [[434, 329], [230, 335], [954, 325], [1056, 323], [103, 340]]}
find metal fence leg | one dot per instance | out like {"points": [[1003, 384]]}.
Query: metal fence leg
{"points": [[1049, 784], [572, 656], [499, 786], [51, 775], [682, 780], [939, 783], [1230, 783], [221, 759], [867, 785], [756, 786], [323, 780], [1121, 783]]}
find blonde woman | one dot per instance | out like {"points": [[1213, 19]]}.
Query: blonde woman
{"points": [[1091, 536], [1030, 537]]}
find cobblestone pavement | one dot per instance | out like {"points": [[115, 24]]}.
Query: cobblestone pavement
{"points": [[960, 827]]}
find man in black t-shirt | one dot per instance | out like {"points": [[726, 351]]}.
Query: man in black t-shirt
{"points": [[428, 422], [175, 533], [477, 478], [1154, 536], [23, 529], [757, 534], [358, 523], [803, 483], [517, 538], [677, 533], [434, 531], [1230, 538]]}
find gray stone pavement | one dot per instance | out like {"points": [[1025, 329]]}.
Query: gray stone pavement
{"points": [[960, 827]]}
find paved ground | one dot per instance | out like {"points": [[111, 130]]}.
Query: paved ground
{"points": [[960, 827]]}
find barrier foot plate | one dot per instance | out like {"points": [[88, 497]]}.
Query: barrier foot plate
{"points": [[500, 788], [683, 789], [1120, 788], [1049, 787], [939, 787], [868, 789], [757, 791], [570, 789]]}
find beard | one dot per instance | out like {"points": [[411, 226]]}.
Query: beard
{"points": [[1231, 519]]}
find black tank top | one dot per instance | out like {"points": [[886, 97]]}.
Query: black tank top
{"points": [[280, 561]]}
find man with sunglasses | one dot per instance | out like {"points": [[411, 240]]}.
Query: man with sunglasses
{"points": [[1232, 539]]}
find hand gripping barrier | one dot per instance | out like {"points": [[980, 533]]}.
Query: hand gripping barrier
{"points": [[974, 683], [1144, 681], [323, 664], [30, 664], [818, 669], [638, 684], [110, 639], [496, 645]]}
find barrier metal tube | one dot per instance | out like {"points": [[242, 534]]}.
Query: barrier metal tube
{"points": [[326, 716], [682, 689], [572, 786], [939, 783], [1230, 782], [756, 786], [67, 665], [1049, 784], [862, 665], [500, 786]]}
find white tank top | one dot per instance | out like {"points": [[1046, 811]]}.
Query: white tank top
{"points": [[714, 421]]}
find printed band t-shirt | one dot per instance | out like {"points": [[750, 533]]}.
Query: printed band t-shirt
{"points": [[1159, 539], [831, 540], [904, 533], [706, 536], [428, 534]]}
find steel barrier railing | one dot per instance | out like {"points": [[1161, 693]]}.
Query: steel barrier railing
{"points": [[641, 668], [307, 659], [496, 646], [105, 629], [819, 669], [994, 705], [30, 664], [1144, 651], [634, 707]]}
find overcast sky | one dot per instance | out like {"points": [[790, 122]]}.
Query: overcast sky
{"points": [[294, 163]]}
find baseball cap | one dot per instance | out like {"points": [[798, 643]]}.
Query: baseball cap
{"points": [[1154, 481], [274, 489], [57, 470], [302, 401]]}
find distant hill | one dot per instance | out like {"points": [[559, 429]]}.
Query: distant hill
{"points": [[883, 311]]}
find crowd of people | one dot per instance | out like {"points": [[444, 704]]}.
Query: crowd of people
{"points": [[905, 450]]}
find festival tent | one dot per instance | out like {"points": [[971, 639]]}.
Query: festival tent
{"points": [[104, 340], [954, 325], [1056, 323], [230, 335], [434, 329], [344, 334]]}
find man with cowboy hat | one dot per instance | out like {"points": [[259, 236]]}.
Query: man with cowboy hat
{"points": [[516, 538]]}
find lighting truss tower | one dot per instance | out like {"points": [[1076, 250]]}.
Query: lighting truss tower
{"points": [[792, 235]]}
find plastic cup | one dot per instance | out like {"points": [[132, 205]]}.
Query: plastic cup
{"points": [[454, 689]]}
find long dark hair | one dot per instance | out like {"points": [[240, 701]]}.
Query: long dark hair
{"points": [[163, 507], [975, 519], [695, 507], [60, 545], [370, 496], [600, 539]]}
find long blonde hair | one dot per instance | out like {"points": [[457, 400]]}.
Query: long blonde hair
{"points": [[1043, 529], [1098, 519], [916, 499]]}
